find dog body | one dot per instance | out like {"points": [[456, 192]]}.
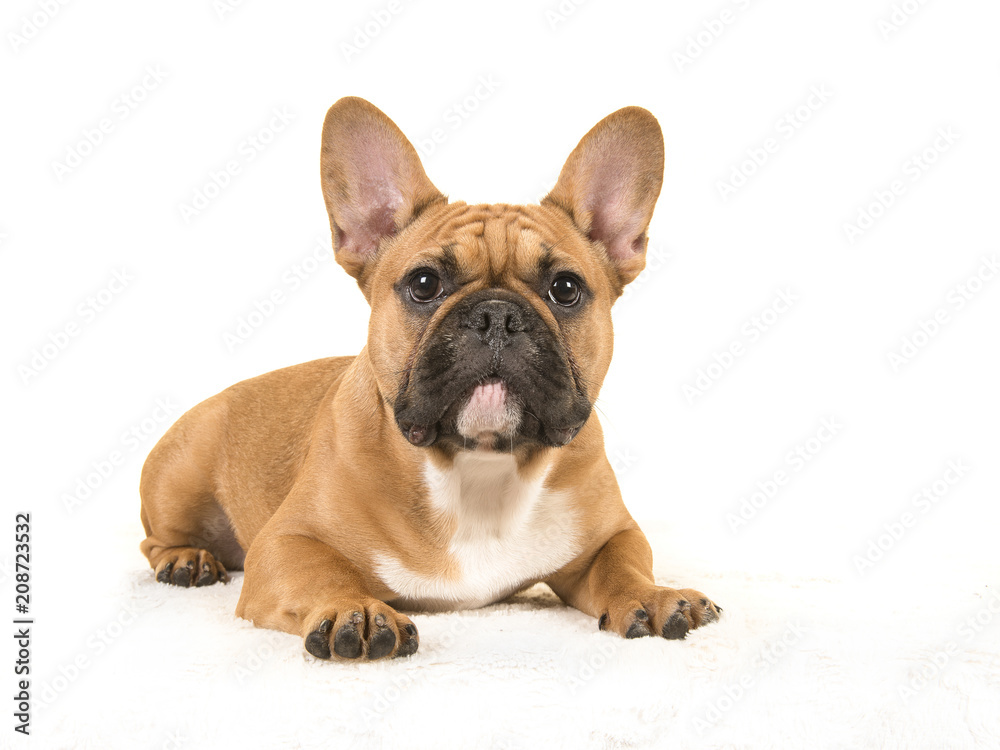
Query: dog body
{"points": [[454, 461]]}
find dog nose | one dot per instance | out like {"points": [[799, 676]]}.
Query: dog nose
{"points": [[496, 320]]}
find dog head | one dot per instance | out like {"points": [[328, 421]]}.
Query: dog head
{"points": [[491, 324]]}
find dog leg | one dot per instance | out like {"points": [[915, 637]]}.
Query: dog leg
{"points": [[187, 566], [189, 539], [302, 586], [618, 588]]}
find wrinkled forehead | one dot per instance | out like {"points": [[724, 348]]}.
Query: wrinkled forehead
{"points": [[497, 243]]}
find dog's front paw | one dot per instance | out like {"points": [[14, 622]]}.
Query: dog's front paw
{"points": [[361, 630], [188, 566], [669, 613]]}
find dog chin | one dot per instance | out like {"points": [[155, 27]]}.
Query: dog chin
{"points": [[490, 412]]}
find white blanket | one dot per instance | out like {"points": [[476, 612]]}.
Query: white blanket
{"points": [[793, 663]]}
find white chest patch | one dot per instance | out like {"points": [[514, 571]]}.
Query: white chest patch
{"points": [[508, 532]]}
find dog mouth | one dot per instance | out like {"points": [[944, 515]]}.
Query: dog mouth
{"points": [[490, 409], [488, 416], [491, 376]]}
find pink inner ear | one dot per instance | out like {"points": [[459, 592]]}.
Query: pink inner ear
{"points": [[370, 212], [362, 236], [615, 219]]}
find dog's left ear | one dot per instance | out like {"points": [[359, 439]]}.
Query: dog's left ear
{"points": [[610, 183], [373, 182]]}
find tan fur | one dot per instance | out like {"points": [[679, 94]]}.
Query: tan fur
{"points": [[304, 468]]}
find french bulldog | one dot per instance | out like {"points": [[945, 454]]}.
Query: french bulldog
{"points": [[456, 459]]}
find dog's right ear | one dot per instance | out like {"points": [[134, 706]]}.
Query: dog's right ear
{"points": [[373, 182]]}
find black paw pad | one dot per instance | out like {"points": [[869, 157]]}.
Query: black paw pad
{"points": [[164, 575], [409, 646], [182, 576], [640, 625], [318, 641], [676, 627], [207, 577], [347, 642], [382, 642]]}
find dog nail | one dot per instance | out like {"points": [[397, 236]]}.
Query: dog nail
{"points": [[164, 575], [380, 620], [182, 576], [676, 627], [409, 646], [602, 624], [709, 615], [641, 615], [206, 578], [684, 604], [637, 630], [318, 641], [381, 644], [347, 642], [357, 618]]}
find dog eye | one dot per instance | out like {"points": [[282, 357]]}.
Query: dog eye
{"points": [[425, 286], [564, 291]]}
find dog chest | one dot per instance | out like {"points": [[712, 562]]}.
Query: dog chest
{"points": [[508, 531]]}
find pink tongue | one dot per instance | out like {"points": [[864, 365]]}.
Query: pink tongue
{"points": [[489, 399], [488, 410]]}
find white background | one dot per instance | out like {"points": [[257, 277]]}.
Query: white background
{"points": [[891, 84]]}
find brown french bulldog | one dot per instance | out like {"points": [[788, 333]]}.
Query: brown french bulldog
{"points": [[455, 460]]}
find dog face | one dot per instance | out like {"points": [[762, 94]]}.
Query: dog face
{"points": [[491, 324]]}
